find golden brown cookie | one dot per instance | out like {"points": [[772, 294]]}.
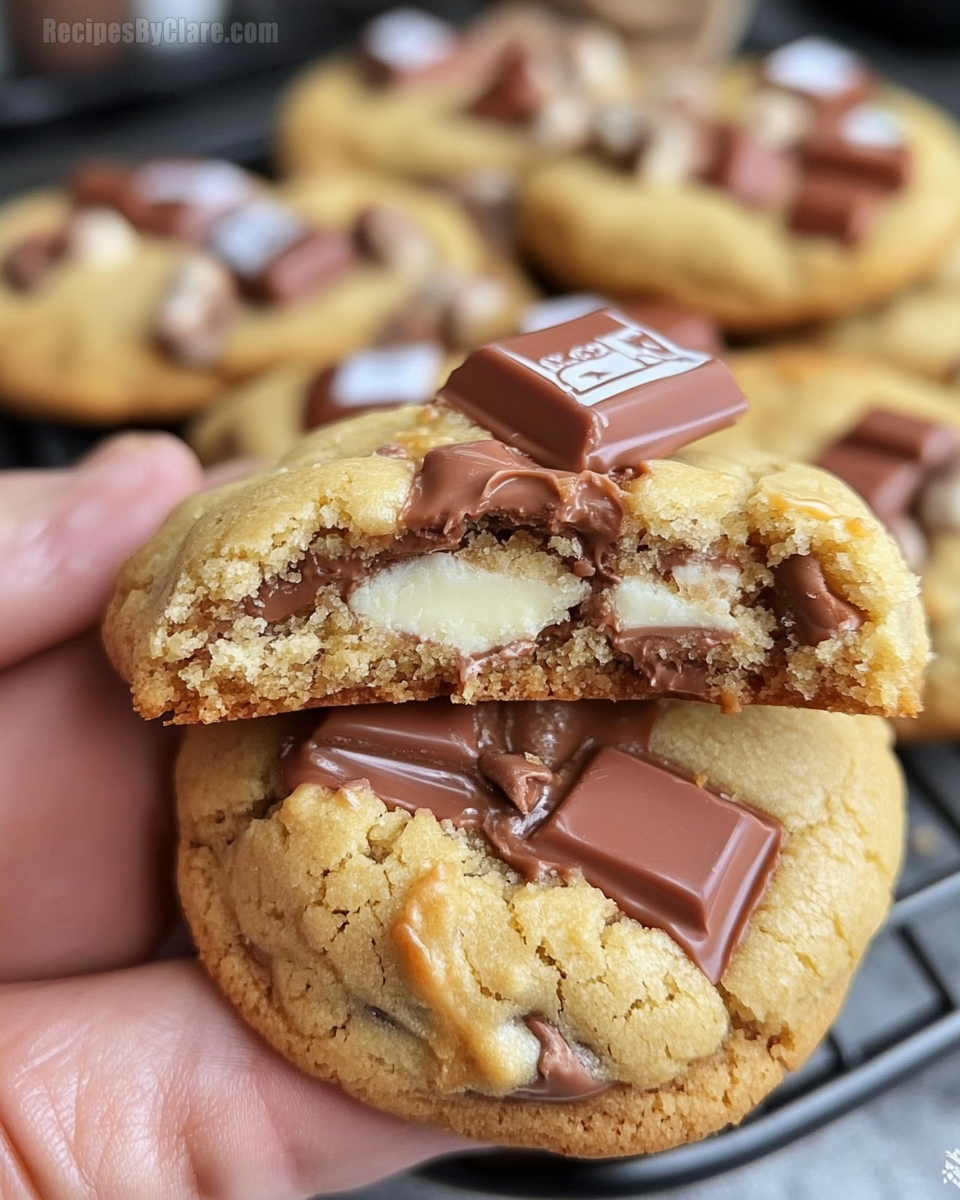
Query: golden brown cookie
{"points": [[83, 341], [801, 401], [400, 958], [405, 554], [917, 330], [738, 245], [425, 125]]}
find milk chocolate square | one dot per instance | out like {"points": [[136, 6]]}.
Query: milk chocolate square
{"points": [[670, 854], [596, 393]]}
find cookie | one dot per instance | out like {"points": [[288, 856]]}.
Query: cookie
{"points": [[804, 403], [517, 87], [407, 554], [792, 193], [116, 307], [265, 416], [917, 330], [429, 971]]}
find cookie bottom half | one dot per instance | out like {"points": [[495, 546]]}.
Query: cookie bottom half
{"points": [[399, 957]]}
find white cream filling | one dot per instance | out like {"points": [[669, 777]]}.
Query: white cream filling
{"points": [[455, 601], [643, 602]]}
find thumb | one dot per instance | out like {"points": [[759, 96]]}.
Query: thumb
{"points": [[63, 534]]}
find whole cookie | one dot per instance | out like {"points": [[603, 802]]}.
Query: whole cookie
{"points": [[802, 401], [758, 213], [918, 330], [104, 320], [399, 957]]}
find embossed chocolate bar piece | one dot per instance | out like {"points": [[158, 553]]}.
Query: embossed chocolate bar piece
{"points": [[866, 143], [596, 393], [563, 787], [382, 377]]}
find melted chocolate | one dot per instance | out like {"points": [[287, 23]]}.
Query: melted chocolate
{"points": [[560, 788], [561, 1072], [472, 480], [803, 599], [596, 393]]}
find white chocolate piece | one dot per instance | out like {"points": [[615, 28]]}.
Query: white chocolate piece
{"points": [[779, 119], [250, 237], [814, 66], [872, 127], [472, 306], [645, 602], [196, 311], [214, 185], [563, 123], [619, 130], [397, 241], [940, 502], [601, 66], [672, 153], [454, 601], [406, 374], [556, 310], [100, 237], [409, 40]]}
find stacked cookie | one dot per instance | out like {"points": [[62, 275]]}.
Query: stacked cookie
{"points": [[474, 890]]}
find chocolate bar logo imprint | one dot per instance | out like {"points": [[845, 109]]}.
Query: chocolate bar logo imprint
{"points": [[610, 363]]}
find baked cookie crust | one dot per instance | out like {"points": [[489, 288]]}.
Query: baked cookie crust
{"points": [[292, 902]]}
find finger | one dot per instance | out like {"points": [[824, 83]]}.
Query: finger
{"points": [[144, 1085], [85, 818], [63, 534]]}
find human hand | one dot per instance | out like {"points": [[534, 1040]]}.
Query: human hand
{"points": [[122, 1078]]}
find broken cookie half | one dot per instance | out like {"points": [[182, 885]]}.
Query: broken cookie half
{"points": [[410, 554]]}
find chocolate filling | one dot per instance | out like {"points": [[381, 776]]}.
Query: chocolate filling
{"points": [[804, 601], [561, 1072], [559, 788]]}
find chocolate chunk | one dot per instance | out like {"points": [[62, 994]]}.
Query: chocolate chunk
{"points": [[391, 237], [827, 74], [406, 44], [383, 377], [523, 782], [754, 173], [670, 854], [888, 482], [29, 261], [927, 443], [829, 204], [281, 598], [518, 90], [562, 1074], [490, 197], [178, 198], [471, 480], [806, 604], [196, 311], [307, 266], [671, 660], [866, 145], [596, 393]]}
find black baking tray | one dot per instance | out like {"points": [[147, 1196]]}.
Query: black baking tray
{"points": [[903, 1011]]}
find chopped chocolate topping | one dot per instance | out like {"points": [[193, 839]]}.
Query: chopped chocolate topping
{"points": [[835, 206], [471, 480], [382, 377], [866, 144], [406, 44], [891, 459], [29, 261], [669, 853], [758, 175], [597, 393], [805, 603], [562, 1074], [517, 91]]}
